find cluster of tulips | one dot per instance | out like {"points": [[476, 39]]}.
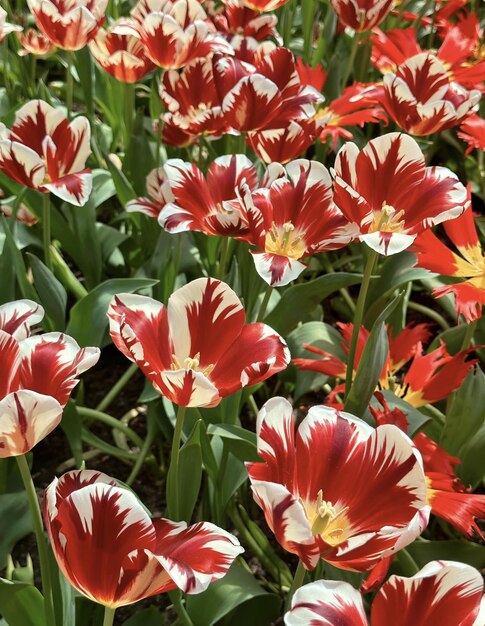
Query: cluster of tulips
{"points": [[313, 135]]}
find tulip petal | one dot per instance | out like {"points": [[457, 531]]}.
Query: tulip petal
{"points": [[17, 317]]}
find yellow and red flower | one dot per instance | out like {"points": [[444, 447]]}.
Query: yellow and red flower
{"points": [[313, 486]]}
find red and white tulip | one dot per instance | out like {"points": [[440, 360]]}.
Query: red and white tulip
{"points": [[361, 15], [442, 592], [198, 349], [69, 24], [316, 484], [44, 151], [111, 551], [387, 191], [34, 42]]}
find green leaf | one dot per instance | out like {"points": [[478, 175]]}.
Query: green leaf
{"points": [[471, 470], [424, 551], [239, 441], [52, 294], [466, 413], [238, 598], [18, 262], [190, 472], [301, 299], [71, 424], [371, 363], [84, 227], [21, 604], [124, 189], [15, 522], [85, 69], [88, 321]]}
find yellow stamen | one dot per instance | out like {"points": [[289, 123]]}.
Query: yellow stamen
{"points": [[387, 220], [285, 240]]}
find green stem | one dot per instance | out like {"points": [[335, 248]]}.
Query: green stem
{"points": [[176, 598], [112, 422], [481, 173], [434, 315], [173, 471], [144, 451], [223, 250], [358, 317], [40, 538], [69, 84], [117, 387], [46, 230], [351, 59], [298, 579], [109, 616], [436, 414], [129, 111], [63, 272], [264, 304]]}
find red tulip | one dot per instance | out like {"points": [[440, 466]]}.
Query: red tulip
{"points": [[472, 131], [197, 349], [387, 191], [44, 151], [361, 15], [69, 24], [112, 552], [420, 98], [236, 19], [120, 52], [183, 199], [34, 42], [262, 5], [443, 592], [315, 486], [286, 143], [294, 217]]}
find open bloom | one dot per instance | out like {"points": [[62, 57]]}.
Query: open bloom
{"points": [[69, 24], [44, 151], [361, 15], [293, 218], [175, 32], [120, 52], [5, 27], [469, 264], [183, 199], [285, 143], [429, 377], [37, 375], [112, 552], [442, 592], [420, 98], [197, 349], [236, 19], [389, 193], [337, 489]]}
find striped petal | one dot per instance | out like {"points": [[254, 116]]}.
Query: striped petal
{"points": [[443, 592], [52, 363], [17, 317], [252, 103], [10, 359], [26, 418], [326, 603]]}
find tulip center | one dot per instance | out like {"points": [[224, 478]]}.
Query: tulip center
{"points": [[285, 240], [191, 363], [387, 220], [330, 522]]}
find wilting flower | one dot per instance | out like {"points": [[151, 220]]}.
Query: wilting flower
{"points": [[44, 151], [183, 199], [236, 19], [420, 98], [472, 131], [34, 42], [446, 494], [389, 193], [192, 104], [111, 551], [315, 486], [294, 217], [5, 27], [198, 349], [69, 24], [435, 256], [442, 592], [429, 378], [37, 375], [176, 32], [120, 52], [361, 15], [358, 105]]}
